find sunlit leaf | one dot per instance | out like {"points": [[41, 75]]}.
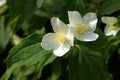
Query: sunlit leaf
{"points": [[28, 53], [23, 72], [3, 9], [5, 33], [39, 3]]}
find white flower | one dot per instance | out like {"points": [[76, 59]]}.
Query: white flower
{"points": [[2, 2], [110, 28], [83, 28], [60, 41]]}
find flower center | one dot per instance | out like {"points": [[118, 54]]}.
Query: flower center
{"points": [[60, 37], [81, 28], [113, 27]]}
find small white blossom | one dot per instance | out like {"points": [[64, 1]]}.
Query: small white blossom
{"points": [[60, 41], [83, 28], [110, 28], [2, 2]]}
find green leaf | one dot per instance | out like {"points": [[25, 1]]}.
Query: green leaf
{"points": [[53, 7], [37, 21], [109, 7], [39, 3], [43, 62], [3, 8], [97, 1], [86, 64], [64, 74], [27, 53], [116, 24], [114, 42], [72, 5], [23, 72], [5, 33], [56, 70], [77, 5], [20, 10]]}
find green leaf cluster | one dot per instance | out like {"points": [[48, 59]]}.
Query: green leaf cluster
{"points": [[30, 19]]}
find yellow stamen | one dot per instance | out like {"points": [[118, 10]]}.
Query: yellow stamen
{"points": [[60, 37], [113, 27], [81, 28]]}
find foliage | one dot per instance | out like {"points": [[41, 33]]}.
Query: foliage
{"points": [[29, 20]]}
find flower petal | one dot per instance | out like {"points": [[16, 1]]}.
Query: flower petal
{"points": [[109, 32], [74, 17], [58, 25], [87, 36], [90, 19], [61, 50], [48, 42], [2, 2], [70, 37], [109, 20]]}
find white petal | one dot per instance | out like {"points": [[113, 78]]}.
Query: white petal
{"points": [[109, 32], [70, 37], [87, 36], [109, 20], [48, 42], [90, 19], [58, 25], [74, 17], [61, 50], [2, 2]]}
